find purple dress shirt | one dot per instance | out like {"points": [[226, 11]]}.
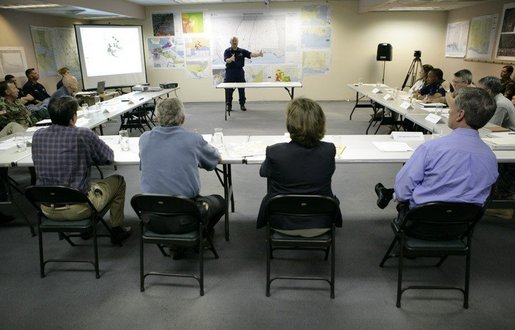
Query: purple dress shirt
{"points": [[458, 167]]}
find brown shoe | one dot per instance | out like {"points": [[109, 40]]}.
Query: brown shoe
{"points": [[506, 214]]}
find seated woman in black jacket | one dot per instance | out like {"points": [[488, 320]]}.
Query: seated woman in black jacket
{"points": [[303, 166]]}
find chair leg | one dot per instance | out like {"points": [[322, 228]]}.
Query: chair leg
{"points": [[95, 248], [268, 256], [387, 254], [442, 259], [41, 257], [399, 276], [201, 261], [141, 262], [467, 281], [333, 266]]}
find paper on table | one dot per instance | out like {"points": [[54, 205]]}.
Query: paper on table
{"points": [[339, 149], [7, 144], [249, 149], [407, 136], [392, 146], [501, 143]]}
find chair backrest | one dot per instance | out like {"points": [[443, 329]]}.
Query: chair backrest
{"points": [[56, 195], [441, 220], [308, 207], [162, 213]]}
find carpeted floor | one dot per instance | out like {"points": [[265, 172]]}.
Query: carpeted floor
{"points": [[70, 297]]}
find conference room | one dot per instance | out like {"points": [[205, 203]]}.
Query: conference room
{"points": [[235, 283]]}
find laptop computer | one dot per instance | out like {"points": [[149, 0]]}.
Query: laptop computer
{"points": [[101, 85]]}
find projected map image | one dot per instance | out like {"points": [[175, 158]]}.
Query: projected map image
{"points": [[166, 52], [116, 51]]}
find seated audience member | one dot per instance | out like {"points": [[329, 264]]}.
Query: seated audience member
{"points": [[62, 72], [504, 116], [70, 86], [507, 84], [461, 79], [458, 167], [421, 78], [170, 158], [78, 148], [34, 88], [432, 91], [24, 97], [304, 165], [11, 108], [505, 112]]}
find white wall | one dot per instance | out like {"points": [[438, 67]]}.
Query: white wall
{"points": [[478, 69], [353, 54], [354, 42]]}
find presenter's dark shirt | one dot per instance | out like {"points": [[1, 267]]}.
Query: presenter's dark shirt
{"points": [[234, 69], [36, 89], [291, 168]]}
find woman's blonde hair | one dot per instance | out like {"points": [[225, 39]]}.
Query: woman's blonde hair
{"points": [[305, 121]]}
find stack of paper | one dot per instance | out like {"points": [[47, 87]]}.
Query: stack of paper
{"points": [[501, 143], [392, 146], [407, 136]]}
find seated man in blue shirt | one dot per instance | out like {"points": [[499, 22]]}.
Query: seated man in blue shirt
{"points": [[69, 87], [34, 88], [63, 155], [170, 157], [458, 167]]}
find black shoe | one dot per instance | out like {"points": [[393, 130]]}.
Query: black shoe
{"points": [[5, 218], [228, 107], [384, 195], [120, 234], [177, 253], [87, 234], [242, 107]]}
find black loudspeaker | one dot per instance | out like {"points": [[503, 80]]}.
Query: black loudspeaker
{"points": [[384, 52]]}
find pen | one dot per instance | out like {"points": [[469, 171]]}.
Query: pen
{"points": [[141, 98]]}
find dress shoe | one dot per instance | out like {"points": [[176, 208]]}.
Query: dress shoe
{"points": [[228, 107], [5, 218], [242, 107], [177, 253], [506, 214], [85, 235], [384, 195], [120, 234]]}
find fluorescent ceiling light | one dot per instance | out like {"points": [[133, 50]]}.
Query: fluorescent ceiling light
{"points": [[188, 2], [29, 6]]}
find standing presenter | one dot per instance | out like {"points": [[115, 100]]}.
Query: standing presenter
{"points": [[234, 58]]}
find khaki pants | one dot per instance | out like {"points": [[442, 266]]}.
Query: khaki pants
{"points": [[109, 191], [11, 128]]}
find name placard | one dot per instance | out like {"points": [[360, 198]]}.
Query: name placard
{"points": [[433, 118], [388, 97], [376, 91], [406, 105]]}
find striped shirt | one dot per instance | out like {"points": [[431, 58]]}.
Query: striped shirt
{"points": [[63, 155]]}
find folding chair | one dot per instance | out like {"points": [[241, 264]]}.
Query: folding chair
{"points": [[178, 211], [63, 196], [436, 229], [302, 206]]}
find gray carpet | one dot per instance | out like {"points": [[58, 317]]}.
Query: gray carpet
{"points": [[71, 297]]}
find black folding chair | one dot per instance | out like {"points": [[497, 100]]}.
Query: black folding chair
{"points": [[302, 206], [436, 229], [176, 210], [60, 196]]}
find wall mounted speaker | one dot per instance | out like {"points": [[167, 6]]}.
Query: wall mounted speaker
{"points": [[384, 52]]}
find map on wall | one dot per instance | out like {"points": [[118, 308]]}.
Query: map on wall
{"points": [[506, 39], [12, 61], [55, 48], [456, 39], [481, 37], [294, 42], [166, 53]]}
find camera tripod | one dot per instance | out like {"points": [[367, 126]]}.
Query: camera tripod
{"points": [[412, 72]]}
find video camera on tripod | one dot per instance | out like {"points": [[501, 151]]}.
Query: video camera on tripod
{"points": [[413, 69]]}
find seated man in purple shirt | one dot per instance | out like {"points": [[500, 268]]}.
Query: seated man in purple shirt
{"points": [[63, 155], [458, 167]]}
